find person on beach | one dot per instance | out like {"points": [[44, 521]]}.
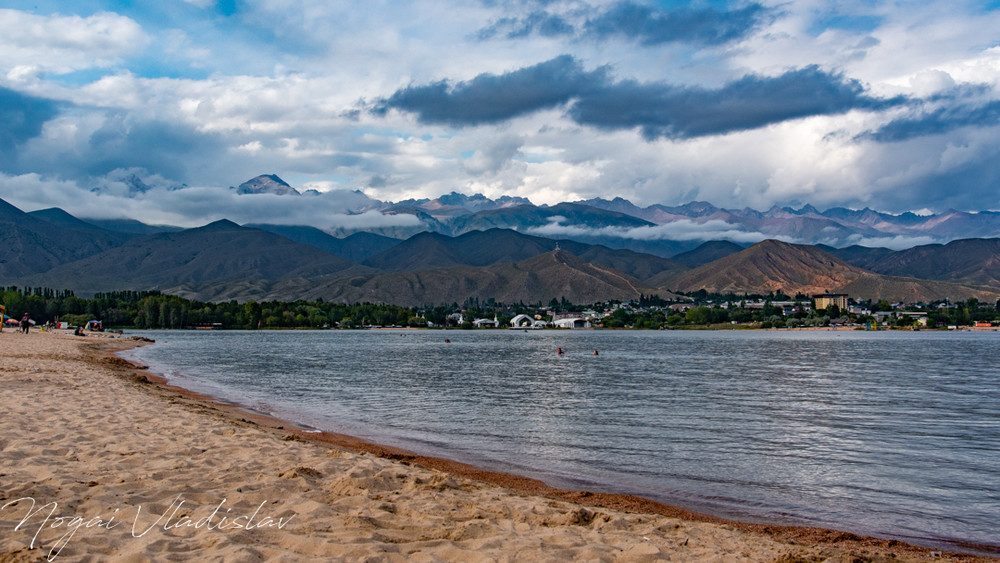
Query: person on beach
{"points": [[25, 323]]}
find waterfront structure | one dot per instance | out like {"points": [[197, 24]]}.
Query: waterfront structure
{"points": [[483, 323], [576, 322], [524, 321], [824, 300]]}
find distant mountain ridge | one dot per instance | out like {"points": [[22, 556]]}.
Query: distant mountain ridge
{"points": [[219, 252], [429, 251], [32, 244], [356, 248], [835, 226], [223, 261], [658, 229], [455, 200]]}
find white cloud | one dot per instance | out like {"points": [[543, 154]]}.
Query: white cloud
{"points": [[167, 204], [371, 219], [893, 243], [929, 82], [681, 230], [31, 192], [62, 44]]}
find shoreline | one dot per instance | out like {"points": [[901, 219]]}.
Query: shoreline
{"points": [[615, 501], [797, 543]]}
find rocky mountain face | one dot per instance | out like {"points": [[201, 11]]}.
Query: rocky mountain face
{"points": [[266, 184]]}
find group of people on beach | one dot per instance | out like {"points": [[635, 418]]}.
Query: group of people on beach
{"points": [[23, 326], [25, 323]]}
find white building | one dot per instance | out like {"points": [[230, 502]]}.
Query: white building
{"points": [[524, 321], [575, 322], [492, 323]]}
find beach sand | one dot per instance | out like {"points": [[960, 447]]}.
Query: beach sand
{"points": [[99, 462]]}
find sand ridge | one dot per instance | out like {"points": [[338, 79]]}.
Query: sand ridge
{"points": [[99, 464]]}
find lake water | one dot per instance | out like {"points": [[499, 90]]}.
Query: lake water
{"points": [[889, 434]]}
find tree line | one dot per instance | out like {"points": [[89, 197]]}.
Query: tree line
{"points": [[155, 310]]}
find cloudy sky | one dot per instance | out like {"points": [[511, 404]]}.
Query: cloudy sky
{"points": [[853, 103]]}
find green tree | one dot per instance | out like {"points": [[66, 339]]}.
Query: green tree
{"points": [[251, 314], [698, 316]]}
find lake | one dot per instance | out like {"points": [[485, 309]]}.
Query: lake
{"points": [[892, 434]]}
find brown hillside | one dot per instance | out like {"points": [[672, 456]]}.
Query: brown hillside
{"points": [[554, 274], [219, 253], [912, 290], [777, 266], [769, 266], [970, 261], [550, 275]]}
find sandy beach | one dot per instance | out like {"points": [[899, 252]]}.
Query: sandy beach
{"points": [[101, 461]]}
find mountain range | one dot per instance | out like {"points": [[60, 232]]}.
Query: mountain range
{"points": [[656, 229], [503, 258]]}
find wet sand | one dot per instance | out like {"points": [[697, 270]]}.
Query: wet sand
{"points": [[102, 461]]}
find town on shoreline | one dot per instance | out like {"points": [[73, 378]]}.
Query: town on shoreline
{"points": [[696, 310]]}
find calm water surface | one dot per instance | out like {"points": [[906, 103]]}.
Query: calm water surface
{"points": [[888, 434]]}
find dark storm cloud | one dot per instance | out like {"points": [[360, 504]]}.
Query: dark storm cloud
{"points": [[645, 24], [657, 109], [971, 185], [938, 122], [491, 98], [661, 110], [153, 145], [705, 26], [122, 142], [21, 118]]}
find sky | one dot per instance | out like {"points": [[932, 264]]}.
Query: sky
{"points": [[854, 103]]}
